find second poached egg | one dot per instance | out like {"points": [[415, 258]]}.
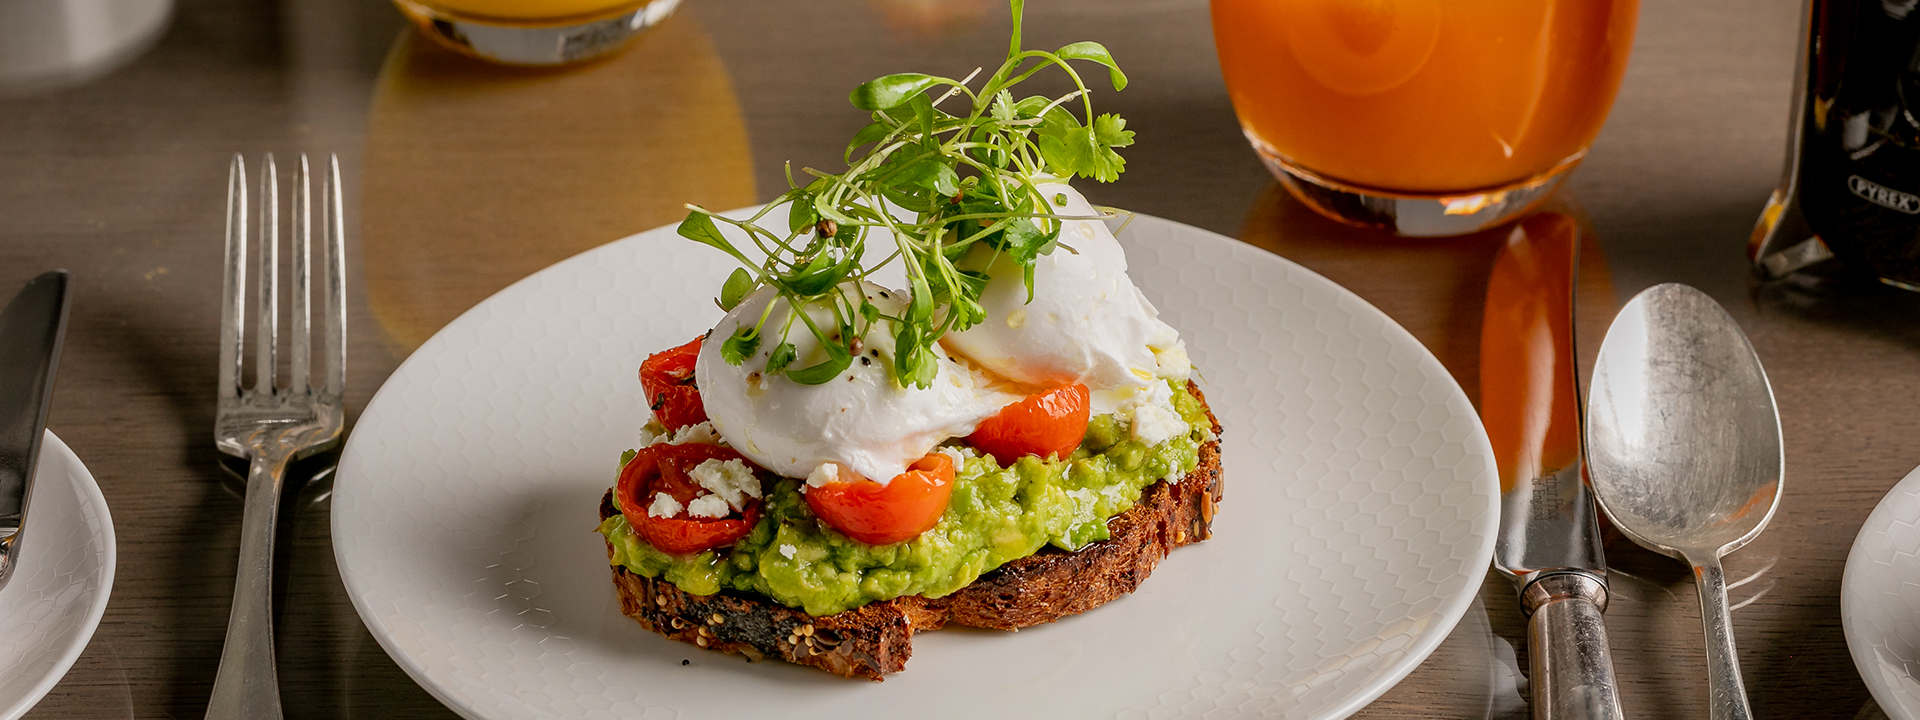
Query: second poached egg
{"points": [[1086, 322]]}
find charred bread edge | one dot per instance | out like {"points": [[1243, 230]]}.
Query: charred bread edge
{"points": [[877, 638]]}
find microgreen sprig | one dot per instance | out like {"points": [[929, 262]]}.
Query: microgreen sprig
{"points": [[959, 179]]}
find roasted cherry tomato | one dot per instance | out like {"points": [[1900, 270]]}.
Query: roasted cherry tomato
{"points": [[663, 468], [1045, 424], [667, 377], [900, 510]]}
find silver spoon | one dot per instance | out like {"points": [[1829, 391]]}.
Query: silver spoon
{"points": [[1683, 450]]}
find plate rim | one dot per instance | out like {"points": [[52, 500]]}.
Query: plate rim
{"points": [[1858, 646], [1448, 614], [89, 490]]}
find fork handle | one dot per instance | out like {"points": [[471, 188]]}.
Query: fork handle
{"points": [[246, 687]]}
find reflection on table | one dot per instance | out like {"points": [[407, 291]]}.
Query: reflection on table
{"points": [[476, 175]]}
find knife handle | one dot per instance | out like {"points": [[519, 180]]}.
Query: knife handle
{"points": [[1572, 667]]}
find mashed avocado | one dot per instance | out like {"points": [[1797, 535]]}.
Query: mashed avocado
{"points": [[997, 515]]}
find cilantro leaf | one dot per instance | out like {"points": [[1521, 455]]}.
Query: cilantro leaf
{"points": [[1087, 151], [914, 363], [1002, 109], [740, 346]]}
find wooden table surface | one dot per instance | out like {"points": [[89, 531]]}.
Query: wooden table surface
{"points": [[464, 177]]}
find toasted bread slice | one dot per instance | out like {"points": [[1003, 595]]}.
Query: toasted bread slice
{"points": [[877, 638]]}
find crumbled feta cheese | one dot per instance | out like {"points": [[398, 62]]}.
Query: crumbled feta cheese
{"points": [[826, 474], [1152, 417], [787, 551], [1173, 361], [1155, 424], [697, 433], [1153, 394], [729, 479], [708, 506], [959, 458], [664, 506]]}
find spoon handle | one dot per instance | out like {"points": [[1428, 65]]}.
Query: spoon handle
{"points": [[1726, 692]]}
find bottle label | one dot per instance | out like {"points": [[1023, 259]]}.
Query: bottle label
{"points": [[1883, 196]]}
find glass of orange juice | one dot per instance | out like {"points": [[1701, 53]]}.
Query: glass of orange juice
{"points": [[535, 32], [1424, 117]]}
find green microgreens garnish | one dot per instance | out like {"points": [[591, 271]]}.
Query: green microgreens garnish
{"points": [[965, 178]]}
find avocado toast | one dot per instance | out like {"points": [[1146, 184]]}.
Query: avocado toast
{"points": [[1010, 437], [877, 638]]}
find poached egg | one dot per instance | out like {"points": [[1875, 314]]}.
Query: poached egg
{"points": [[1086, 323], [861, 422]]}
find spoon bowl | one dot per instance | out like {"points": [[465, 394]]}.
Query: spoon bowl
{"points": [[1684, 450], [1683, 436]]}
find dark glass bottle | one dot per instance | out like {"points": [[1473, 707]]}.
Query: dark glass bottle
{"points": [[1852, 189]]}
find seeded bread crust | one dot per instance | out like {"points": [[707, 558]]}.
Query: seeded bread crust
{"points": [[877, 638]]}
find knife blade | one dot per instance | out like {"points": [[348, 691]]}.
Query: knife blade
{"points": [[31, 329], [1549, 539]]}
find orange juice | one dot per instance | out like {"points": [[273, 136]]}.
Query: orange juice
{"points": [[1423, 96]]}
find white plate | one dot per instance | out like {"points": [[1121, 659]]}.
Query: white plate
{"points": [[48, 611], [1357, 523], [1880, 600]]}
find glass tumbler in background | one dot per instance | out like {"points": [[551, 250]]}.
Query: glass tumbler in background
{"points": [[535, 32], [1423, 117]]}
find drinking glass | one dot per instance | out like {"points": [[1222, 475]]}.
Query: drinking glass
{"points": [[535, 32], [1423, 117]]}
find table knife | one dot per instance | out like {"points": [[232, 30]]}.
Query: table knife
{"points": [[30, 332], [1549, 541]]}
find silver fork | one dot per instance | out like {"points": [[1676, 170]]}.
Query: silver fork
{"points": [[267, 425]]}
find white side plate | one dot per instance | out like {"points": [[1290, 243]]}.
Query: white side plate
{"points": [[1357, 523], [48, 611], [1880, 600]]}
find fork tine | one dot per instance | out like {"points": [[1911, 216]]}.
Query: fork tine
{"points": [[269, 296], [302, 280], [233, 295], [336, 242]]}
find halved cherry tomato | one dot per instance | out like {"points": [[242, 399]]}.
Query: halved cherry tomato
{"points": [[1045, 424], [667, 377], [663, 469], [878, 514]]}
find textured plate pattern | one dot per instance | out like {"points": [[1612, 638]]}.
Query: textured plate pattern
{"points": [[1880, 600], [1357, 524], [48, 611]]}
